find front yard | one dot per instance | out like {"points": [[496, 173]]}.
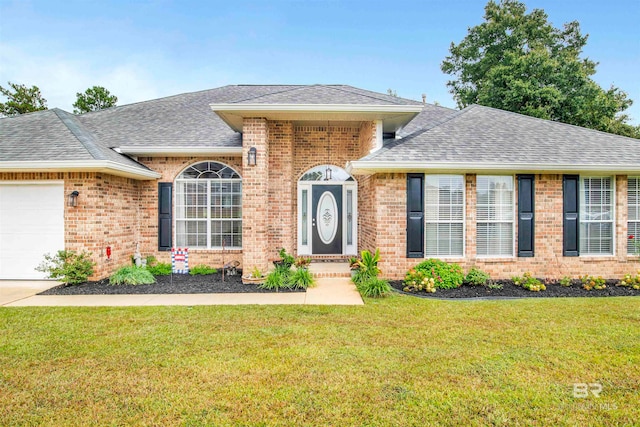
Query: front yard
{"points": [[395, 361]]}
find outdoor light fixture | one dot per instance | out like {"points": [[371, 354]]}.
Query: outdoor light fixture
{"points": [[252, 156], [73, 199], [327, 173]]}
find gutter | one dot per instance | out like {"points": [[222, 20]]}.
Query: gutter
{"points": [[107, 166], [177, 151], [367, 167]]}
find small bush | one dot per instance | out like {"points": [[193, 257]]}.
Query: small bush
{"points": [[67, 267], [202, 269], [374, 287], [631, 281], [287, 260], [132, 275], [445, 275], [415, 281], [493, 285], [592, 282], [477, 277], [566, 281], [160, 269], [367, 266], [301, 279], [278, 278], [529, 283]]}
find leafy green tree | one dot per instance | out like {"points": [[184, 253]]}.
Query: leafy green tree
{"points": [[93, 99], [21, 99], [519, 62]]}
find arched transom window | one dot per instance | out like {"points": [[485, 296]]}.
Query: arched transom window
{"points": [[209, 207]]}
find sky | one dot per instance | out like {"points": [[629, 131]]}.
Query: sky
{"points": [[146, 49]]}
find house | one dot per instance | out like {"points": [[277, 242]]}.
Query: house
{"points": [[321, 170]]}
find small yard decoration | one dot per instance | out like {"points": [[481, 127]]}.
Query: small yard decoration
{"points": [[256, 277], [180, 260]]}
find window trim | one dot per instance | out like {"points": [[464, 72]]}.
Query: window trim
{"points": [[582, 221], [177, 181], [637, 220], [463, 221], [513, 221]]}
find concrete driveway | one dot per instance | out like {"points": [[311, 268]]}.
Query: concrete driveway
{"points": [[16, 290]]}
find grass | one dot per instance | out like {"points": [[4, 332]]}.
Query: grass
{"points": [[396, 361]]}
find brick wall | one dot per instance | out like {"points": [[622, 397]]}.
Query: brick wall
{"points": [[390, 192], [107, 215]]}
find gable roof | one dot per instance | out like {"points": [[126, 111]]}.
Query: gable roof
{"points": [[53, 140], [487, 139]]}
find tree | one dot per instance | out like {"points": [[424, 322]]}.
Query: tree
{"points": [[519, 62], [21, 99], [93, 99]]}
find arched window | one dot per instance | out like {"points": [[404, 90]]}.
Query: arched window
{"points": [[209, 207]]}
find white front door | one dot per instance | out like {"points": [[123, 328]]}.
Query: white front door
{"points": [[31, 225]]}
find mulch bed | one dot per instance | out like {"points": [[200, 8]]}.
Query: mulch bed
{"points": [[172, 284], [509, 290]]}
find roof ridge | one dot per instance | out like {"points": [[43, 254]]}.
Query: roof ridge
{"points": [[290, 89], [83, 136], [117, 107], [368, 94], [553, 121]]}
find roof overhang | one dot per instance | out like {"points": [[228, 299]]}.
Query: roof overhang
{"points": [[106, 166], [163, 151], [366, 167], [393, 117]]}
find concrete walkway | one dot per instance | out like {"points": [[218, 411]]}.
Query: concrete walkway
{"points": [[328, 291]]}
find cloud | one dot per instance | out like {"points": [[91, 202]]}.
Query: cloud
{"points": [[60, 78]]}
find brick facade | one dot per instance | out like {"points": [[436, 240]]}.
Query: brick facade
{"points": [[123, 213], [390, 195]]}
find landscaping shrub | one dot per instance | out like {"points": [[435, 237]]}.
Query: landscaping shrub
{"points": [[278, 278], [416, 280], [477, 277], [286, 260], [374, 287], [202, 269], [132, 275], [445, 275], [67, 267], [528, 282], [301, 279], [160, 269], [367, 266], [631, 281], [566, 281], [592, 282]]}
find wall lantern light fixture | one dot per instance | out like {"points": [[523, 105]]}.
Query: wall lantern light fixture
{"points": [[252, 156], [72, 199]]}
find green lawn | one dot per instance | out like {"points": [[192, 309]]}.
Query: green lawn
{"points": [[398, 361]]}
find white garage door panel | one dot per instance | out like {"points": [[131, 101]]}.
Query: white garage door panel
{"points": [[31, 225]]}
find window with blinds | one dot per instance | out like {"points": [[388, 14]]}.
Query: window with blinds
{"points": [[495, 216], [633, 217], [444, 215], [596, 215]]}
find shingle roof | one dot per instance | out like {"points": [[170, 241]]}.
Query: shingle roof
{"points": [[325, 94], [480, 134], [53, 135]]}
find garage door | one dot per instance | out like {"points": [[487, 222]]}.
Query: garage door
{"points": [[31, 225]]}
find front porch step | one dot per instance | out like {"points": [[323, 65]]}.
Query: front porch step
{"points": [[330, 269]]}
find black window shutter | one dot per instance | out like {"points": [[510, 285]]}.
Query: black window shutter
{"points": [[164, 216], [526, 217], [415, 215], [571, 209]]}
